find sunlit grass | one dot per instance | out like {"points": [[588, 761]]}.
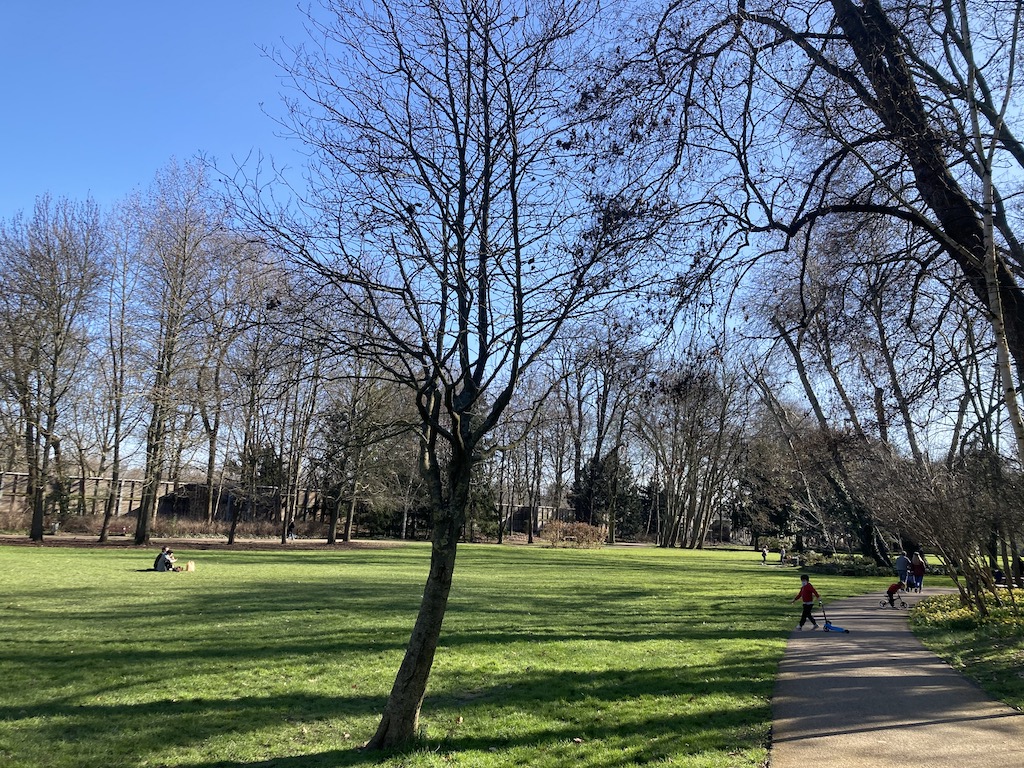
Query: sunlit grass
{"points": [[614, 657], [990, 651]]}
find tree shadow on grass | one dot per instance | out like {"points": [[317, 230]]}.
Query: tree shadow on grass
{"points": [[224, 622], [611, 707], [656, 739]]}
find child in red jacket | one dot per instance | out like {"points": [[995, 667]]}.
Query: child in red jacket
{"points": [[892, 590], [807, 594]]}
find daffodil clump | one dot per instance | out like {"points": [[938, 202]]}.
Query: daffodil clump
{"points": [[989, 649]]}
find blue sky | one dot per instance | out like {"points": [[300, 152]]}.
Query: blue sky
{"points": [[96, 96]]}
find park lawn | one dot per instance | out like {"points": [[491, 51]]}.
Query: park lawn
{"points": [[614, 657], [989, 651]]}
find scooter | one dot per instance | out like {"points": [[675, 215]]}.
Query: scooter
{"points": [[829, 626]]}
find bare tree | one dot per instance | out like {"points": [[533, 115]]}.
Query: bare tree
{"points": [[50, 268], [256, 371], [690, 417], [119, 360], [451, 219], [184, 226], [356, 441], [240, 283]]}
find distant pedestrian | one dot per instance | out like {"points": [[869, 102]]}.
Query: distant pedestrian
{"points": [[782, 555], [807, 594], [764, 555], [917, 568], [902, 566], [291, 530]]}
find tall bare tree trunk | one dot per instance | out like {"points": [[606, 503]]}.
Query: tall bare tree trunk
{"points": [[993, 264], [153, 475]]}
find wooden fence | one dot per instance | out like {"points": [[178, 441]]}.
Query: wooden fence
{"points": [[89, 495]]}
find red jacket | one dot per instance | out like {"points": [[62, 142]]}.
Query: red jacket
{"points": [[807, 593]]}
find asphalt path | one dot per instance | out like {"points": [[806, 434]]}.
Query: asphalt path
{"points": [[876, 697]]}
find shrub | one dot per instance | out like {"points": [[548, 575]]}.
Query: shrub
{"points": [[843, 565], [15, 521], [579, 535], [88, 525], [810, 557]]}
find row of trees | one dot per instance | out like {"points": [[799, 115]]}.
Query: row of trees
{"points": [[875, 145], [755, 258], [132, 338]]}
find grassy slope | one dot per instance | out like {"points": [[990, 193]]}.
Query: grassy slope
{"points": [[615, 657], [990, 651]]}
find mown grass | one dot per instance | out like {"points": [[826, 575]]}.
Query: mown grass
{"points": [[614, 657], [989, 651]]}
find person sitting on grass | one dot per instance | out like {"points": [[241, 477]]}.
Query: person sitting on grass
{"points": [[160, 564], [165, 561], [892, 590]]}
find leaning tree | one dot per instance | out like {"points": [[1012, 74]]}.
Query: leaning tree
{"points": [[454, 216], [797, 117]]}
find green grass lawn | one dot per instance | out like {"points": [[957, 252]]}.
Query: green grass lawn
{"points": [[989, 651], [614, 657]]}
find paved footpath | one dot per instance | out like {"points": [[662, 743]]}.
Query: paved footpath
{"points": [[875, 697]]}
